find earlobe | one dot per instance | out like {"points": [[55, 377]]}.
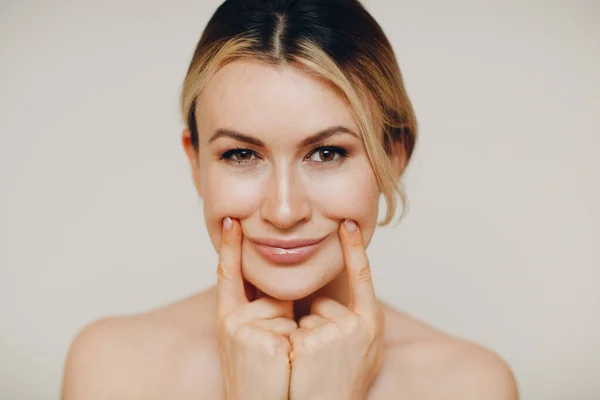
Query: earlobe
{"points": [[193, 157]]}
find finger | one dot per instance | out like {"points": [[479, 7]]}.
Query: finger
{"points": [[329, 309], [280, 325], [256, 337], [359, 271], [231, 293], [311, 321], [264, 308]]}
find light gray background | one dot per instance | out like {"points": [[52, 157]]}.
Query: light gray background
{"points": [[99, 215]]}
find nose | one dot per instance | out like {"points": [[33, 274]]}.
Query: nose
{"points": [[285, 200]]}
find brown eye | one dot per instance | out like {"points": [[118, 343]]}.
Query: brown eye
{"points": [[239, 156], [243, 155], [327, 155]]}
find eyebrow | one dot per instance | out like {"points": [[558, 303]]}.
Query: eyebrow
{"points": [[315, 138]]}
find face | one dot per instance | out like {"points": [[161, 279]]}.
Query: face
{"points": [[280, 151]]}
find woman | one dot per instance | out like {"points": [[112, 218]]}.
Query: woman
{"points": [[297, 121]]}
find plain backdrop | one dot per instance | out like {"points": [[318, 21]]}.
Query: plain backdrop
{"points": [[500, 245]]}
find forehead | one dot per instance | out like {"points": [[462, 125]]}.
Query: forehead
{"points": [[262, 99]]}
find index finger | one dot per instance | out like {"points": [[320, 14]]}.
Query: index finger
{"points": [[363, 300], [230, 286]]}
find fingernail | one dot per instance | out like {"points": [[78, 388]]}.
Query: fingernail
{"points": [[350, 225], [227, 224]]}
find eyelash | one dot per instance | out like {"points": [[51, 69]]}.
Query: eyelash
{"points": [[227, 156]]}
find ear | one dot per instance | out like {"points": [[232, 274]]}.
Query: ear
{"points": [[193, 157], [398, 158]]}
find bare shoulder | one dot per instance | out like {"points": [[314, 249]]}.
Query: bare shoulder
{"points": [[422, 362], [148, 355]]}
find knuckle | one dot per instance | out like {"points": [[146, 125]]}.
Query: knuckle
{"points": [[243, 334], [305, 343], [229, 324], [289, 326], [332, 332], [356, 243], [222, 273], [273, 344], [350, 325], [363, 274], [225, 240]]}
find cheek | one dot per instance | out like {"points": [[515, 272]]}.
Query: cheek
{"points": [[351, 193], [227, 195]]}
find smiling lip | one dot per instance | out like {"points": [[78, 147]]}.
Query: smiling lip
{"points": [[286, 251]]}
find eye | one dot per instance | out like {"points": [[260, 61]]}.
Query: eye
{"points": [[239, 155], [327, 154]]}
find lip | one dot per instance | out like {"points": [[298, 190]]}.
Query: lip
{"points": [[286, 251]]}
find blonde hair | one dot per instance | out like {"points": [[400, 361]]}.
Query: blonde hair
{"points": [[353, 55]]}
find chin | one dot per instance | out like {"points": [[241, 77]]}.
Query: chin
{"points": [[292, 282], [287, 283]]}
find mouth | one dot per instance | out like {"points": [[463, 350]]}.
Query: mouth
{"points": [[290, 251]]}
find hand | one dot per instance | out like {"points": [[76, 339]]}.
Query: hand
{"points": [[336, 352], [252, 336]]}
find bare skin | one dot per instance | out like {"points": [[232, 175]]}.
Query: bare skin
{"points": [[183, 350], [277, 186], [171, 353]]}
